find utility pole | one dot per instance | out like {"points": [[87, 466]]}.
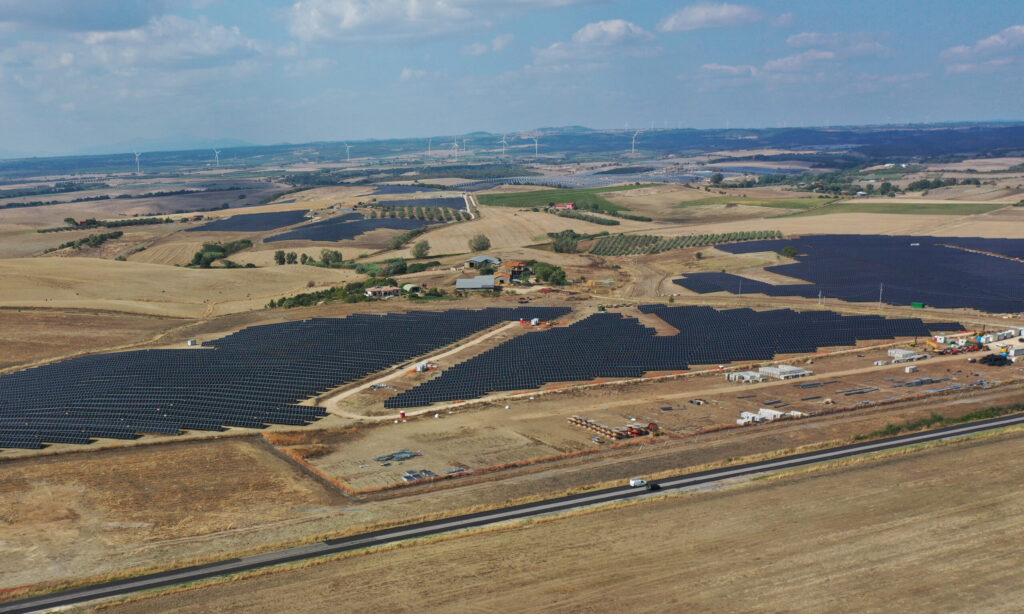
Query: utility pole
{"points": [[879, 296]]}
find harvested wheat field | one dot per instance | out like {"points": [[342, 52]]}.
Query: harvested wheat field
{"points": [[932, 530], [89, 283], [28, 335], [141, 504]]}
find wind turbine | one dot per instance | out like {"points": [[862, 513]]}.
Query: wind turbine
{"points": [[455, 147], [348, 151], [635, 134], [536, 146], [137, 154], [503, 144], [216, 157]]}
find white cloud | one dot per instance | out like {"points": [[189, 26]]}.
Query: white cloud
{"points": [[500, 43], [497, 45], [1005, 41], [596, 40], [384, 20], [841, 43], [170, 41], [710, 15], [475, 49], [611, 32], [410, 74], [798, 62], [730, 70], [1000, 51]]}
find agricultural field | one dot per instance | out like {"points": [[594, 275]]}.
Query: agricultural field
{"points": [[621, 245], [811, 541], [134, 287], [905, 208], [585, 198], [799, 204]]}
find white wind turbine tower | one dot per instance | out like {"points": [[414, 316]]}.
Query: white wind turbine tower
{"points": [[455, 147], [137, 154], [635, 134], [536, 146], [348, 152], [503, 144], [216, 157]]}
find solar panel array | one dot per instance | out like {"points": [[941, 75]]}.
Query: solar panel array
{"points": [[456, 202], [251, 378], [387, 188], [254, 222], [348, 226], [938, 271], [610, 345]]}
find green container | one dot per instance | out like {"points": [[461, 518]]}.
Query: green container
{"points": [[917, 305]]}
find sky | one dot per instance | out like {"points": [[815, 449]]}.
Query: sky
{"points": [[100, 75]]}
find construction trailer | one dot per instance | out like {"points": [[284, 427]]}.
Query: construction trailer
{"points": [[900, 355], [744, 377], [784, 372]]}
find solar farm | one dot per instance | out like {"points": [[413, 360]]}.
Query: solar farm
{"points": [[251, 379], [348, 226], [943, 272], [254, 222], [448, 203], [608, 345]]}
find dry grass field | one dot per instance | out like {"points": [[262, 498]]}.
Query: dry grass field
{"points": [[78, 514], [28, 335], [933, 530], [89, 283]]}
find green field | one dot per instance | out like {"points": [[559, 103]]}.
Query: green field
{"points": [[586, 198], [937, 208], [778, 203]]}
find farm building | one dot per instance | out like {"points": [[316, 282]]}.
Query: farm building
{"points": [[513, 268], [479, 262], [564, 207], [785, 372], [502, 278], [383, 291], [412, 289], [480, 282]]}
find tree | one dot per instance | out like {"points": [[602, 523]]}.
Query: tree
{"points": [[279, 256], [565, 245], [717, 178], [303, 258], [330, 257], [421, 249], [479, 243], [789, 251], [291, 258], [557, 277], [70, 221]]}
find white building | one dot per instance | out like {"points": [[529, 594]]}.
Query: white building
{"points": [[784, 372], [744, 377]]}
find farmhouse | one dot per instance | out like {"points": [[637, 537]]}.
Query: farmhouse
{"points": [[564, 207], [383, 291]]}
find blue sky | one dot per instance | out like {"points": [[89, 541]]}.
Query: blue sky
{"points": [[77, 75]]}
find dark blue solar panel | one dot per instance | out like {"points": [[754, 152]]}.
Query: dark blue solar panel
{"points": [[938, 271], [609, 345], [254, 222], [348, 226], [450, 203], [248, 379]]}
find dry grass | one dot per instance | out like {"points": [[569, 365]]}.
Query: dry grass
{"points": [[119, 506], [31, 335], [935, 530], [88, 283]]}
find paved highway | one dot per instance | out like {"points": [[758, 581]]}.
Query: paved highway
{"points": [[377, 538]]}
